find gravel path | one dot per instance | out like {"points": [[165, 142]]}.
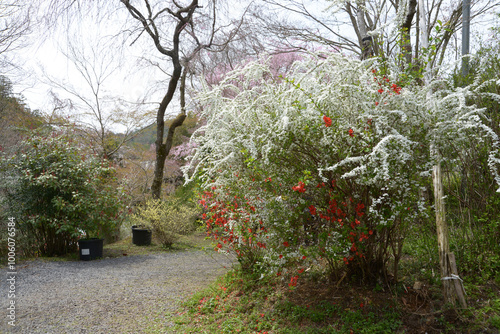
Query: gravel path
{"points": [[130, 294]]}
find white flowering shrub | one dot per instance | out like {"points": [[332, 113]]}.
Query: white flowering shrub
{"points": [[325, 165]]}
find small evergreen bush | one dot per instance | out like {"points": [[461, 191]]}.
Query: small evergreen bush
{"points": [[59, 192]]}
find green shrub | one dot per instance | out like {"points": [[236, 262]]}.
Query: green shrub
{"points": [[167, 219], [58, 191]]}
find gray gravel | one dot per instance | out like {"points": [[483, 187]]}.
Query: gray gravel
{"points": [[131, 294]]}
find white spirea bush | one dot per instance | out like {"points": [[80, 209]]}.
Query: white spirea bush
{"points": [[333, 120], [264, 112]]}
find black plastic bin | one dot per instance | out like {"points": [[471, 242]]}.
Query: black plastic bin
{"points": [[90, 249], [141, 236]]}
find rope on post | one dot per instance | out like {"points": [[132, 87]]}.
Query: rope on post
{"points": [[452, 277]]}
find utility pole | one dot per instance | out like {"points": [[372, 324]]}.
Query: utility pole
{"points": [[465, 36]]}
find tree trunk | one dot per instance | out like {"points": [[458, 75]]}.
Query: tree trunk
{"points": [[366, 41], [405, 31], [183, 16], [163, 148], [162, 151]]}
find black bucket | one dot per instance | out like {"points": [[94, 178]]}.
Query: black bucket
{"points": [[141, 236], [90, 249]]}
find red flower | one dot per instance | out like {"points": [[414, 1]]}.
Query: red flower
{"points": [[396, 88], [301, 271], [300, 187], [312, 209], [328, 121], [360, 207], [286, 244], [281, 256], [351, 132], [376, 103], [304, 257], [380, 90], [293, 281]]}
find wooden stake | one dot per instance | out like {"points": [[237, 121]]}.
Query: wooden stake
{"points": [[459, 287], [442, 232]]}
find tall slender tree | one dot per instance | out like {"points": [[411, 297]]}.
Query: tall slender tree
{"points": [[184, 44]]}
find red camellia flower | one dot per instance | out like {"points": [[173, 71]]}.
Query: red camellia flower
{"points": [[328, 121], [351, 132]]}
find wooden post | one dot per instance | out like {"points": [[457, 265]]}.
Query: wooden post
{"points": [[442, 231], [451, 290], [457, 282], [452, 284]]}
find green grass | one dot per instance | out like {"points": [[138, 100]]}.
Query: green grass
{"points": [[237, 303]]}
